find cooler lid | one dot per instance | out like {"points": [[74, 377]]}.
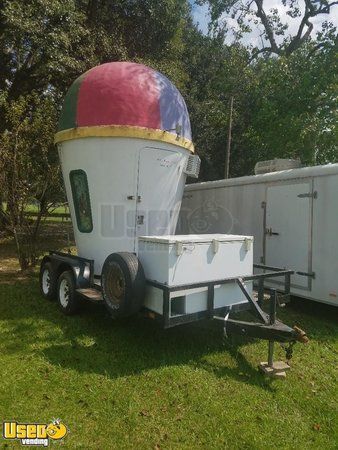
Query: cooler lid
{"points": [[194, 238]]}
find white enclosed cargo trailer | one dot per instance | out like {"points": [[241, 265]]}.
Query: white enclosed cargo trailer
{"points": [[292, 214]]}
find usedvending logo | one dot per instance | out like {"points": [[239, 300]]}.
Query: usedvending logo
{"points": [[34, 433]]}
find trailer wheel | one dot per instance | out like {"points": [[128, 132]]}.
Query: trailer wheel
{"points": [[123, 284], [47, 280], [68, 300]]}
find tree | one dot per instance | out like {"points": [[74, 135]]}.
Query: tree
{"points": [[273, 31], [28, 167], [294, 104], [44, 46]]}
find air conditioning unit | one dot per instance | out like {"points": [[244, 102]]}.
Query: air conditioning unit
{"points": [[277, 164], [193, 165]]}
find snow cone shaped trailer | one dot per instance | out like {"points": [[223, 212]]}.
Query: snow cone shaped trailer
{"points": [[125, 148]]}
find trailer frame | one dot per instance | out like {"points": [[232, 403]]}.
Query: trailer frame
{"points": [[169, 322]]}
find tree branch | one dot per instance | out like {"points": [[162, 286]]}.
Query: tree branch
{"points": [[258, 52], [269, 31]]}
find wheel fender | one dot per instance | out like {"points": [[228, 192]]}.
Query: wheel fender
{"points": [[79, 268]]}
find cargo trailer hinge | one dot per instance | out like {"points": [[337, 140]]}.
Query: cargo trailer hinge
{"points": [[313, 194]]}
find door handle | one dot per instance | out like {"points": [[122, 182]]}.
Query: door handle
{"points": [[269, 232]]}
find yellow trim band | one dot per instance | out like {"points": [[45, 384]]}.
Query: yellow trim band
{"points": [[123, 131]]}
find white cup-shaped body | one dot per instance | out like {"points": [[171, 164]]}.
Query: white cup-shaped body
{"points": [[119, 189]]}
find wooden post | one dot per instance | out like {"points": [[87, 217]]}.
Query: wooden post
{"points": [[227, 155]]}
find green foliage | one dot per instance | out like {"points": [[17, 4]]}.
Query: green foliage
{"points": [[295, 113], [28, 163]]}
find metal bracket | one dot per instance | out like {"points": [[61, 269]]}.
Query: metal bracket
{"points": [[179, 248], [313, 194], [140, 220], [307, 274], [215, 245]]}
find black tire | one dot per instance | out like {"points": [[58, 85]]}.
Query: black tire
{"points": [[123, 284], [68, 300], [47, 281]]}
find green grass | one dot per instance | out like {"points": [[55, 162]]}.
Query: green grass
{"points": [[132, 385], [34, 208], [59, 214]]}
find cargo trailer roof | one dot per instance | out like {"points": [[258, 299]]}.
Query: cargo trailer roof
{"points": [[291, 174]]}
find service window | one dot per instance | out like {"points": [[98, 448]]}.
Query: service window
{"points": [[81, 199]]}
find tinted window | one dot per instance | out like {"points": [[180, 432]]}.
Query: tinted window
{"points": [[80, 191]]}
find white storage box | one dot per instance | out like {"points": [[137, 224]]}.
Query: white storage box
{"points": [[188, 259]]}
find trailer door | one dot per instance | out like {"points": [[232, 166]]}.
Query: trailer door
{"points": [[159, 191], [288, 230]]}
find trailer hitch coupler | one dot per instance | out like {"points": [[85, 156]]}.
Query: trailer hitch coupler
{"points": [[301, 335]]}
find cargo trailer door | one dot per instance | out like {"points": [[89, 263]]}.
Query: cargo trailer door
{"points": [[288, 232]]}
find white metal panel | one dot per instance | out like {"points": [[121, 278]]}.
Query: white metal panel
{"points": [[235, 210], [112, 168], [325, 240], [288, 216], [160, 188], [196, 300]]}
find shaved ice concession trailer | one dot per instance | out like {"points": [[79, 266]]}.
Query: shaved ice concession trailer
{"points": [[125, 148], [292, 214]]}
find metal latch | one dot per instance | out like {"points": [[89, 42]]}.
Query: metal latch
{"points": [[247, 244], [140, 220], [179, 248], [269, 232], [313, 194], [132, 197], [215, 245], [307, 274]]}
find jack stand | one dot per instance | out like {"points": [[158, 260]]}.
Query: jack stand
{"points": [[275, 369]]}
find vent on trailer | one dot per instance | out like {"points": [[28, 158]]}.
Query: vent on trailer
{"points": [[277, 164], [192, 168]]}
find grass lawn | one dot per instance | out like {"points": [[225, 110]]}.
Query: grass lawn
{"points": [[132, 385], [56, 215]]}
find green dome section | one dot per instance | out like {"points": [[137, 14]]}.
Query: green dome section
{"points": [[69, 108]]}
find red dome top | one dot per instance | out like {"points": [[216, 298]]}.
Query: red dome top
{"points": [[124, 94]]}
